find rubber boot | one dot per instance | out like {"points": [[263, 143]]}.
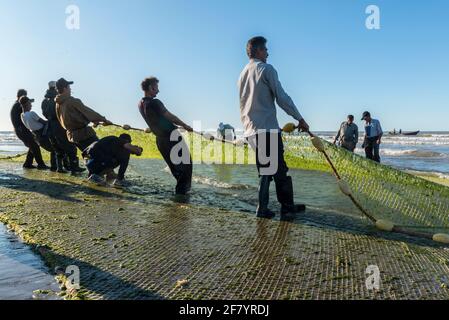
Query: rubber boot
{"points": [[284, 192], [66, 163], [53, 161], [60, 165], [75, 167], [264, 197]]}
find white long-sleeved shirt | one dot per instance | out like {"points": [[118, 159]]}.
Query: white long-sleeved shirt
{"points": [[259, 88]]}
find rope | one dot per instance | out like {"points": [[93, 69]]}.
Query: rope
{"points": [[13, 157], [203, 134]]}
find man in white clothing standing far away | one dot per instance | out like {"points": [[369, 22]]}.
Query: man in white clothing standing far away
{"points": [[259, 88]]}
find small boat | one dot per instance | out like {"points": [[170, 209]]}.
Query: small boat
{"points": [[411, 133]]}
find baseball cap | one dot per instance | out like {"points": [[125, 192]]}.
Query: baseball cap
{"points": [[62, 83], [366, 114], [24, 100]]}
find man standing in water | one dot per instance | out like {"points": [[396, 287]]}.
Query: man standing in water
{"points": [[348, 134], [373, 137], [34, 152], [164, 125], [75, 117], [259, 87]]}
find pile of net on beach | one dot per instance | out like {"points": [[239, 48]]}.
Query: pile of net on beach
{"points": [[409, 202]]}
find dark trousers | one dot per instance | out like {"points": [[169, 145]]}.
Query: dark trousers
{"points": [[283, 183], [372, 149], [100, 165], [34, 152], [58, 139], [44, 141], [82, 145], [183, 171]]}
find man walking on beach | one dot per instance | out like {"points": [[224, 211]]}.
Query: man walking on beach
{"points": [[259, 87], [373, 137], [164, 125], [34, 152], [75, 117], [65, 150], [348, 134]]}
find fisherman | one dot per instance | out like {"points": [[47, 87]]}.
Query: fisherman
{"points": [[39, 128], [65, 150], [226, 131], [373, 137], [22, 132], [164, 125], [259, 87], [75, 117], [108, 153], [348, 135]]}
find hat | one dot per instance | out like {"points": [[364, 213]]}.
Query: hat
{"points": [[366, 114], [62, 83], [52, 84], [24, 100]]}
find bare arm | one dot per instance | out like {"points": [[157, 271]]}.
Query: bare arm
{"points": [[133, 149], [175, 120]]}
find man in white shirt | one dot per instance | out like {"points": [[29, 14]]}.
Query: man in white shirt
{"points": [[38, 127], [259, 87], [373, 137]]}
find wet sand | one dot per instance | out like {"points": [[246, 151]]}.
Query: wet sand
{"points": [[138, 243]]}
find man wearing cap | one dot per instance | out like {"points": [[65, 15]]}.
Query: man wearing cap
{"points": [[75, 117], [66, 151], [348, 134], [259, 88], [39, 128], [34, 152], [373, 137]]}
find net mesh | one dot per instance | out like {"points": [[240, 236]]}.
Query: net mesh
{"points": [[384, 192]]}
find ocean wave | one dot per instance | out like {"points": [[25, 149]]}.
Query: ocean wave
{"points": [[434, 174], [413, 152], [219, 184]]}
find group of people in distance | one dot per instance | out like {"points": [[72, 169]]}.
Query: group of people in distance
{"points": [[68, 119], [348, 136]]}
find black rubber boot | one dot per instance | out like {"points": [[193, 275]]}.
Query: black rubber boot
{"points": [[66, 163], [284, 192], [60, 165], [75, 167], [264, 197], [53, 162]]}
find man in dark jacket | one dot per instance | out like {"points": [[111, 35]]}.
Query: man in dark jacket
{"points": [[66, 151], [34, 152], [107, 154]]}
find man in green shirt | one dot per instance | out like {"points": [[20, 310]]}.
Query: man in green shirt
{"points": [[348, 134]]}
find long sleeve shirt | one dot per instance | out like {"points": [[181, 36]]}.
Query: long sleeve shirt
{"points": [[75, 117], [259, 88], [348, 133], [373, 129]]}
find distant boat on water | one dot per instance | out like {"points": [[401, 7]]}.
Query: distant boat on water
{"points": [[401, 133]]}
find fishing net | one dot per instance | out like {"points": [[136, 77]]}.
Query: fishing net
{"points": [[410, 202]]}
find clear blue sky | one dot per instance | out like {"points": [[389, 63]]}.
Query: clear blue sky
{"points": [[328, 62]]}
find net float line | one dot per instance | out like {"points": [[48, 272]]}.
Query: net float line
{"points": [[383, 225]]}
